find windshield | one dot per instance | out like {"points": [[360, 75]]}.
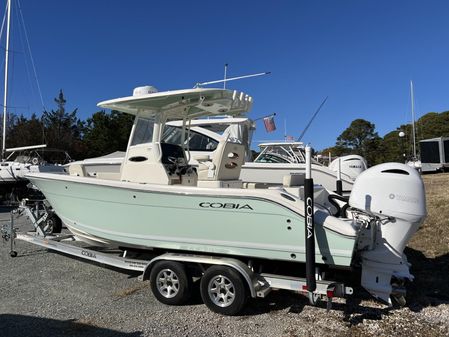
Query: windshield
{"points": [[143, 131], [270, 158], [197, 141]]}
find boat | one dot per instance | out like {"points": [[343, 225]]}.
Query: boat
{"points": [[20, 160], [160, 202], [278, 159], [24, 160]]}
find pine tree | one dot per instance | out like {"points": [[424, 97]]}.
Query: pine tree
{"points": [[63, 129]]}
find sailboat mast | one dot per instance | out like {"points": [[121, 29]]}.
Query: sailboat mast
{"points": [[413, 120], [6, 78]]}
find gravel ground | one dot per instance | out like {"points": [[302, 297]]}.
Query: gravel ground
{"points": [[45, 293]]}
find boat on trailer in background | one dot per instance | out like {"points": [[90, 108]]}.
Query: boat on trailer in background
{"points": [[21, 161], [278, 159], [206, 222]]}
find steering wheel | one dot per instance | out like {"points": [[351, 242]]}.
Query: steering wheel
{"points": [[178, 166], [173, 167]]}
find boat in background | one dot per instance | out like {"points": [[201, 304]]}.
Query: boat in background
{"points": [[24, 160], [21, 160], [160, 202], [278, 159]]}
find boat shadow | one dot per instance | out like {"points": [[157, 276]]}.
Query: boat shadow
{"points": [[431, 284], [21, 325], [430, 288], [354, 312]]}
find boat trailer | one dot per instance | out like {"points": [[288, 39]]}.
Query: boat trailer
{"points": [[258, 284]]}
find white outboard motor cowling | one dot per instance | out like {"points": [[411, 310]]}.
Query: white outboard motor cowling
{"points": [[394, 193], [351, 165], [390, 189]]}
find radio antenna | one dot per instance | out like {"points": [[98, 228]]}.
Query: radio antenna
{"points": [[231, 79]]}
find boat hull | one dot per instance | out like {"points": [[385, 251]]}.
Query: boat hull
{"points": [[189, 219]]}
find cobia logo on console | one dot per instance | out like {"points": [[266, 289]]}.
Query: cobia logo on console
{"points": [[226, 205]]}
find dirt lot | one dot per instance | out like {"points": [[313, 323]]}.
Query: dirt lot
{"points": [[48, 294]]}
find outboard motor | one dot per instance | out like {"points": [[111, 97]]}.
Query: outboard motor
{"points": [[351, 165], [393, 194]]}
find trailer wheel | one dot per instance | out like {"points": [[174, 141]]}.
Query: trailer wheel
{"points": [[398, 301], [223, 291], [169, 282], [53, 224]]}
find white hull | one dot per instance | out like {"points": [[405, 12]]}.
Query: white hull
{"points": [[266, 173], [273, 174], [11, 171]]}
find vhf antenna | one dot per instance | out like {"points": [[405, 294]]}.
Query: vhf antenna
{"points": [[230, 79]]}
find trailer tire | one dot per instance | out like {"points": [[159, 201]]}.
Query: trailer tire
{"points": [[223, 290], [170, 283], [398, 301], [52, 224]]}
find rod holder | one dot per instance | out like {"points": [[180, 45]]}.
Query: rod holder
{"points": [[339, 182], [309, 224]]}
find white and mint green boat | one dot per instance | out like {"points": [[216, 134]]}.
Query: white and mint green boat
{"points": [[158, 201]]}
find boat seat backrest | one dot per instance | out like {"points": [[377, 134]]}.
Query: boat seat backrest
{"points": [[226, 163], [22, 159], [293, 179], [77, 170]]}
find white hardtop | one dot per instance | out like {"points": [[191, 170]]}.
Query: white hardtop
{"points": [[213, 124], [290, 152], [294, 144], [179, 104]]}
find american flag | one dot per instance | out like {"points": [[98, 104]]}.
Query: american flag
{"points": [[269, 123], [290, 138]]}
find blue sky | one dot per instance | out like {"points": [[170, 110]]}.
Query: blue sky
{"points": [[362, 54]]}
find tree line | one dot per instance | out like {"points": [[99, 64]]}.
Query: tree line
{"points": [[361, 138], [61, 129]]}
